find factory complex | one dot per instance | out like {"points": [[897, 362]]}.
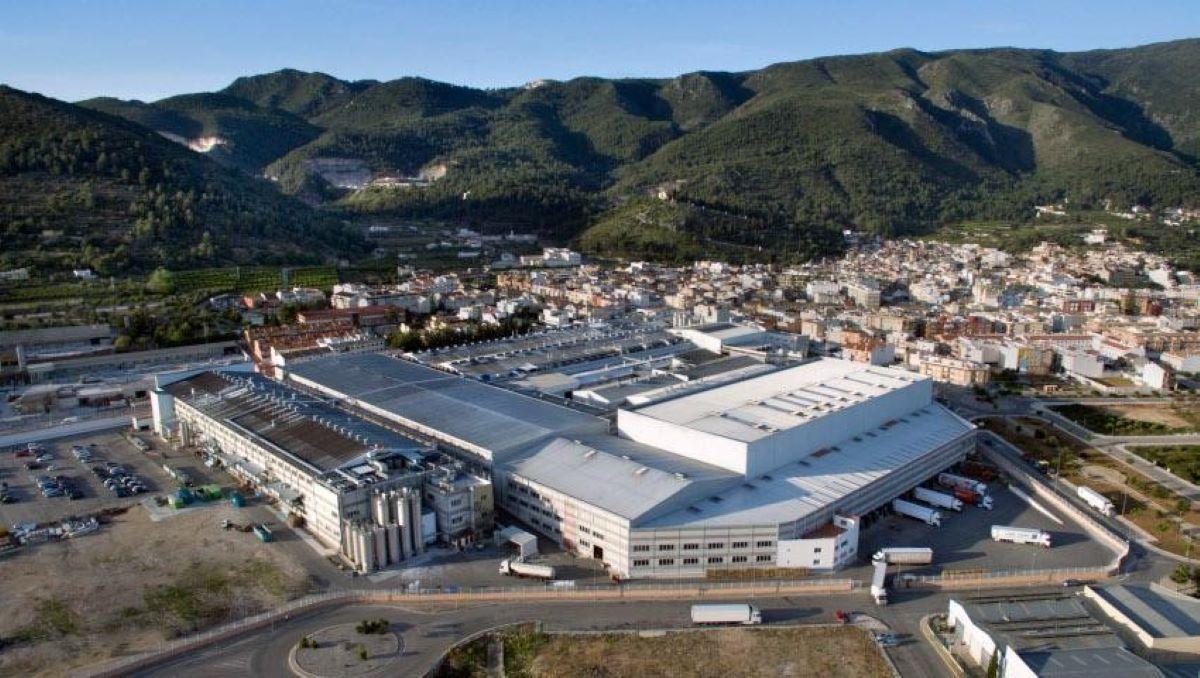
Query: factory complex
{"points": [[764, 466]]}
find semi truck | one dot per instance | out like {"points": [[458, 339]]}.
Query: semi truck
{"points": [[879, 583], [518, 568], [937, 499], [726, 613], [1094, 499], [922, 513], [903, 555], [1021, 535], [973, 498], [951, 480]]}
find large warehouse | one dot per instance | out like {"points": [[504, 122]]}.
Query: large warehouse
{"points": [[769, 471]]}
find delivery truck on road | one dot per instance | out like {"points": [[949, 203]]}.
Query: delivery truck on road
{"points": [[922, 513], [1094, 499], [518, 568], [937, 499], [726, 613], [951, 480], [904, 555], [1021, 535]]}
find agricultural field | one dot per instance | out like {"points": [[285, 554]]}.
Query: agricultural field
{"points": [[731, 653], [248, 279], [1134, 419]]}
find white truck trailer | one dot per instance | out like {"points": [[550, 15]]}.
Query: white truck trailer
{"points": [[1021, 535], [937, 499], [951, 480], [879, 583], [1095, 500], [903, 555], [726, 613], [922, 513], [517, 568]]}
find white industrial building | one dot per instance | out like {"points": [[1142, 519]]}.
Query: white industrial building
{"points": [[357, 486], [773, 470]]}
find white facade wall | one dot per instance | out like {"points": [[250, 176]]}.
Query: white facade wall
{"points": [[711, 449]]}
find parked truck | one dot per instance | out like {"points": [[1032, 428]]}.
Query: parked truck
{"points": [[1094, 499], [922, 513], [937, 499], [879, 583], [903, 555], [1021, 535], [951, 480], [519, 568], [973, 498], [726, 613]]}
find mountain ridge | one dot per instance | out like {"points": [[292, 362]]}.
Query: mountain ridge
{"points": [[889, 142]]}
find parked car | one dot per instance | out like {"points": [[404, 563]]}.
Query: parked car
{"points": [[7, 499], [32, 466]]}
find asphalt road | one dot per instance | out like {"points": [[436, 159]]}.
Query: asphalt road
{"points": [[428, 633]]}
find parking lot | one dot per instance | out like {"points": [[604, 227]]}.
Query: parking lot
{"points": [[29, 504], [964, 542]]}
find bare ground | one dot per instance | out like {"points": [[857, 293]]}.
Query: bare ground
{"points": [[131, 585], [730, 653]]}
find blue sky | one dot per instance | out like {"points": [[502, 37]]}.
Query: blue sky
{"points": [[148, 49]]}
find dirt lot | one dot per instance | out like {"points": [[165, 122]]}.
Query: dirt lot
{"points": [[1176, 417], [132, 584], [136, 581], [732, 653]]}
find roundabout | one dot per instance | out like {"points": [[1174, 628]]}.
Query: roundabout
{"points": [[343, 651]]}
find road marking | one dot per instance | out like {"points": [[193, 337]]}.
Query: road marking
{"points": [[1029, 500]]}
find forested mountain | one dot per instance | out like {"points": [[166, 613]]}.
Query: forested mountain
{"points": [[773, 159], [80, 188]]}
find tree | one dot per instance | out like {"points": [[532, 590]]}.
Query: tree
{"points": [[993, 669], [161, 281]]}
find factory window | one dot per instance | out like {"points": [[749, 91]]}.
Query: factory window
{"points": [[817, 550], [764, 544], [522, 489], [456, 502], [691, 547], [584, 530], [598, 536], [524, 503], [739, 559], [512, 485], [715, 560], [666, 547], [534, 494], [641, 563], [583, 542], [716, 545], [691, 561], [741, 544], [641, 548], [816, 561], [666, 561], [762, 559]]}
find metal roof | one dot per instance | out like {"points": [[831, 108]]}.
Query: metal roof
{"points": [[760, 406], [800, 488], [466, 410], [1158, 611], [620, 476], [320, 436]]}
